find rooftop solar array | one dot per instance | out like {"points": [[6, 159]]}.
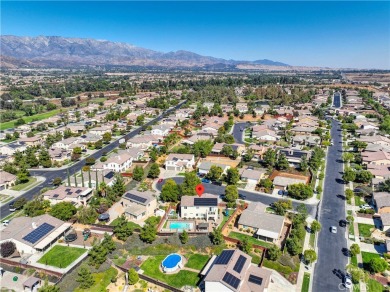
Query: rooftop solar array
{"points": [[255, 279], [55, 195], [38, 233], [231, 280], [110, 175], [135, 198], [239, 264], [224, 257], [205, 201], [67, 190], [78, 191]]}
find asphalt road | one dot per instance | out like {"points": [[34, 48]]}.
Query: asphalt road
{"points": [[332, 210], [337, 100], [237, 134], [250, 196], [62, 173]]}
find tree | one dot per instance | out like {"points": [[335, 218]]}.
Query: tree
{"points": [[384, 186], [118, 188], [274, 252], [378, 265], [281, 206], [315, 226], [36, 207], [266, 183], [294, 245], [148, 233], [170, 191], [31, 159], [44, 158], [364, 176], [269, 157], [246, 246], [138, 173], [90, 160], [214, 173], [357, 274], [303, 166], [232, 176], [153, 155], [202, 148], [349, 174], [98, 144], [85, 278], [191, 180], [7, 248], [355, 249], [310, 256], [348, 157], [349, 194], [122, 230], [133, 277], [87, 215], [63, 210], [57, 181], [108, 243], [48, 288], [300, 191], [184, 237], [216, 236], [19, 203], [227, 150], [154, 171], [282, 162], [107, 137], [22, 175], [231, 195]]}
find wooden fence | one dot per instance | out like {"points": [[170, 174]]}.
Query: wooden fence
{"points": [[25, 266]]}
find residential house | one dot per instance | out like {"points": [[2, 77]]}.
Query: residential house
{"points": [[36, 234], [266, 226], [139, 205], [242, 107], [117, 163], [376, 158], [179, 162], [143, 141], [311, 140], [295, 156], [32, 141], [107, 176], [6, 180], [100, 131], [217, 148], [66, 143], [282, 182], [161, 130], [11, 148], [197, 137], [59, 155], [233, 271], [266, 135], [303, 130], [378, 139], [76, 195], [251, 176], [204, 167], [204, 207], [382, 202]]}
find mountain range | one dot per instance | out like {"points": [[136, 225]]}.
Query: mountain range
{"points": [[56, 51]]}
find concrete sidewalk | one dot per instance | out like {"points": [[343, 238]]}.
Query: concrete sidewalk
{"points": [[302, 267]]}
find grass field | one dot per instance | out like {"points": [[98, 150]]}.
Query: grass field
{"points": [[306, 283], [359, 201], [19, 187], [354, 261], [312, 239], [151, 268], [29, 119], [61, 256], [102, 280], [365, 230], [374, 286], [251, 239], [197, 261], [367, 256]]}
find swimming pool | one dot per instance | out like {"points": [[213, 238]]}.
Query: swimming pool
{"points": [[171, 263], [181, 225]]}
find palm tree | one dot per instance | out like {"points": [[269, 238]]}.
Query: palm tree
{"points": [[103, 188]]}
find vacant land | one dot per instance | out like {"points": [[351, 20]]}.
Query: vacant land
{"points": [[61, 256]]}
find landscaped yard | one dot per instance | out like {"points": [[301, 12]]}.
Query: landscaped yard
{"points": [[19, 187], [131, 224], [306, 283], [374, 286], [102, 280], [365, 230], [225, 218], [251, 239], [354, 261], [29, 119], [312, 239], [367, 256], [197, 261], [61, 256], [359, 201], [151, 268]]}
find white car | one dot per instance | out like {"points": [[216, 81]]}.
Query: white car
{"points": [[347, 281], [5, 222], [365, 207], [333, 229]]}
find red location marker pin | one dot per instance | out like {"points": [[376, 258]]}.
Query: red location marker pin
{"points": [[199, 189]]}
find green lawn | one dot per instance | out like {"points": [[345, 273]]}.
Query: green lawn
{"points": [[374, 286], [131, 224], [61, 256], [197, 261], [151, 268], [102, 280], [367, 256], [359, 201], [365, 230], [29, 119], [354, 261], [225, 218], [19, 187], [251, 239], [312, 239], [306, 283]]}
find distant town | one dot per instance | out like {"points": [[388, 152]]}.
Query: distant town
{"points": [[117, 180]]}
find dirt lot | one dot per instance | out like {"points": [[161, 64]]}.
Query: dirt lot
{"points": [[247, 118], [222, 160]]}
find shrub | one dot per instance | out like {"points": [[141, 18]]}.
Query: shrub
{"points": [[7, 248]]}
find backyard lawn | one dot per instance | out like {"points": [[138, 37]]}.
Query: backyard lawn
{"points": [[151, 268], [365, 229], [102, 280], [251, 239], [367, 256], [29, 119], [306, 283], [225, 218], [19, 187], [197, 261], [61, 256], [359, 201], [131, 224]]}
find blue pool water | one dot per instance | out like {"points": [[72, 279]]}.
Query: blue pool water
{"points": [[180, 225], [171, 261]]}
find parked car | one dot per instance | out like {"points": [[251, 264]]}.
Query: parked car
{"points": [[11, 207], [347, 281], [104, 217], [160, 181], [216, 182], [365, 207], [333, 229], [5, 222], [343, 223], [87, 231], [205, 180], [241, 196], [72, 236]]}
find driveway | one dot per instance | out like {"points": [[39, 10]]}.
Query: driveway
{"points": [[332, 209], [238, 134]]}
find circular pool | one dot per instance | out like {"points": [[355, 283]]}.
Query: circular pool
{"points": [[171, 263]]}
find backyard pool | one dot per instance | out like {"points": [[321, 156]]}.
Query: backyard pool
{"points": [[181, 225], [172, 262]]}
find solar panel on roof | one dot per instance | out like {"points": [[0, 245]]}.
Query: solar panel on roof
{"points": [[205, 202], [38, 233], [224, 257], [231, 280], [69, 193], [55, 196], [110, 175], [135, 198], [67, 190], [78, 191], [255, 279], [239, 264]]}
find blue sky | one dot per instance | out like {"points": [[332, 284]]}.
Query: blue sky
{"points": [[334, 34]]}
